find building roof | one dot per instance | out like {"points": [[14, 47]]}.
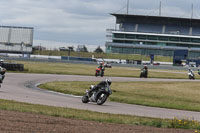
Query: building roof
{"points": [[16, 27], [145, 19]]}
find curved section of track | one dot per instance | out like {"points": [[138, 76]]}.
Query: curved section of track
{"points": [[21, 87]]}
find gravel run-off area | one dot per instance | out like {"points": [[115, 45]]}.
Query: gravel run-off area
{"points": [[14, 122]]}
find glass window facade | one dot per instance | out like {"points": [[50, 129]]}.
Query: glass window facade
{"points": [[157, 40], [151, 41], [142, 51]]}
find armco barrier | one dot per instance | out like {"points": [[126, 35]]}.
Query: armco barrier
{"points": [[13, 66]]}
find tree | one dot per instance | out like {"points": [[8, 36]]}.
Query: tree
{"points": [[98, 50], [81, 48], [85, 49], [70, 48]]}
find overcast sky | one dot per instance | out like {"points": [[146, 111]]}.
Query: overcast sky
{"points": [[72, 22]]}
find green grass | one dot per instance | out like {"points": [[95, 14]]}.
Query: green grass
{"points": [[175, 95], [91, 116], [104, 55], [77, 114], [84, 69]]}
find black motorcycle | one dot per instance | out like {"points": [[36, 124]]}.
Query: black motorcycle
{"points": [[2, 76], [144, 73], [98, 96], [191, 75]]}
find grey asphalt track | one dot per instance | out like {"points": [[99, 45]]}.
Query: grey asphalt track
{"points": [[21, 87]]}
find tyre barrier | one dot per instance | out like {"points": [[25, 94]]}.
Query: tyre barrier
{"points": [[13, 66]]}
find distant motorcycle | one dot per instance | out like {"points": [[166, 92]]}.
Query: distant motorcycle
{"points": [[2, 75], [99, 72], [98, 96], [199, 71], [191, 75], [107, 65], [144, 73]]}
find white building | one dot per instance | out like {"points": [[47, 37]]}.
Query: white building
{"points": [[16, 39]]}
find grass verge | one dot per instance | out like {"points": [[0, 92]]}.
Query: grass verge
{"points": [[83, 69], [174, 95], [93, 116]]}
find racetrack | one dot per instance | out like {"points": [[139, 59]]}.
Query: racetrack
{"points": [[21, 87]]}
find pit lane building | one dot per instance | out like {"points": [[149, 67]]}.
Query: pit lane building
{"points": [[158, 35]]}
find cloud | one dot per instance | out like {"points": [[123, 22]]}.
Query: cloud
{"points": [[82, 21]]}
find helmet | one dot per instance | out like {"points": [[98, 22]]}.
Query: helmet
{"points": [[108, 81], [145, 67]]}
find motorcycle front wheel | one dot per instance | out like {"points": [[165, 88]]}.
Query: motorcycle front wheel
{"points": [[85, 99], [102, 98]]}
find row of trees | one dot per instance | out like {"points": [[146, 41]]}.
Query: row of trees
{"points": [[80, 48], [83, 48]]}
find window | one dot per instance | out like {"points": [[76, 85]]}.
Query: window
{"points": [[171, 44], [185, 39], [129, 36], [128, 41], [152, 37], [118, 35], [173, 38], [196, 40], [141, 37], [118, 41], [163, 38]]}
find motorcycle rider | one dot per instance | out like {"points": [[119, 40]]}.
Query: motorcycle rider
{"points": [[145, 70], [198, 71], [190, 71], [101, 66], [1, 62], [2, 74], [102, 84], [100, 70]]}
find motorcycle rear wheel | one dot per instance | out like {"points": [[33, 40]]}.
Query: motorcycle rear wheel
{"points": [[102, 74]]}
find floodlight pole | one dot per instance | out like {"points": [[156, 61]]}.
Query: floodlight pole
{"points": [[127, 6], [192, 11], [68, 53], [22, 45], [160, 8]]}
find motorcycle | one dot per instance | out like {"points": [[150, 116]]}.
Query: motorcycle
{"points": [[143, 73], [99, 72], [98, 96], [191, 75], [2, 75]]}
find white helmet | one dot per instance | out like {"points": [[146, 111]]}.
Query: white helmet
{"points": [[108, 81]]}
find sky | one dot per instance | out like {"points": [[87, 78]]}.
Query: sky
{"points": [[60, 23]]}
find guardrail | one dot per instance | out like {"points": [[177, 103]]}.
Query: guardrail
{"points": [[13, 66]]}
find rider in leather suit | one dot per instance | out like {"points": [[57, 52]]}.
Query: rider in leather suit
{"points": [[102, 84]]}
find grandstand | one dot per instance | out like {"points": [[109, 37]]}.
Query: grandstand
{"points": [[16, 39], [158, 35]]}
